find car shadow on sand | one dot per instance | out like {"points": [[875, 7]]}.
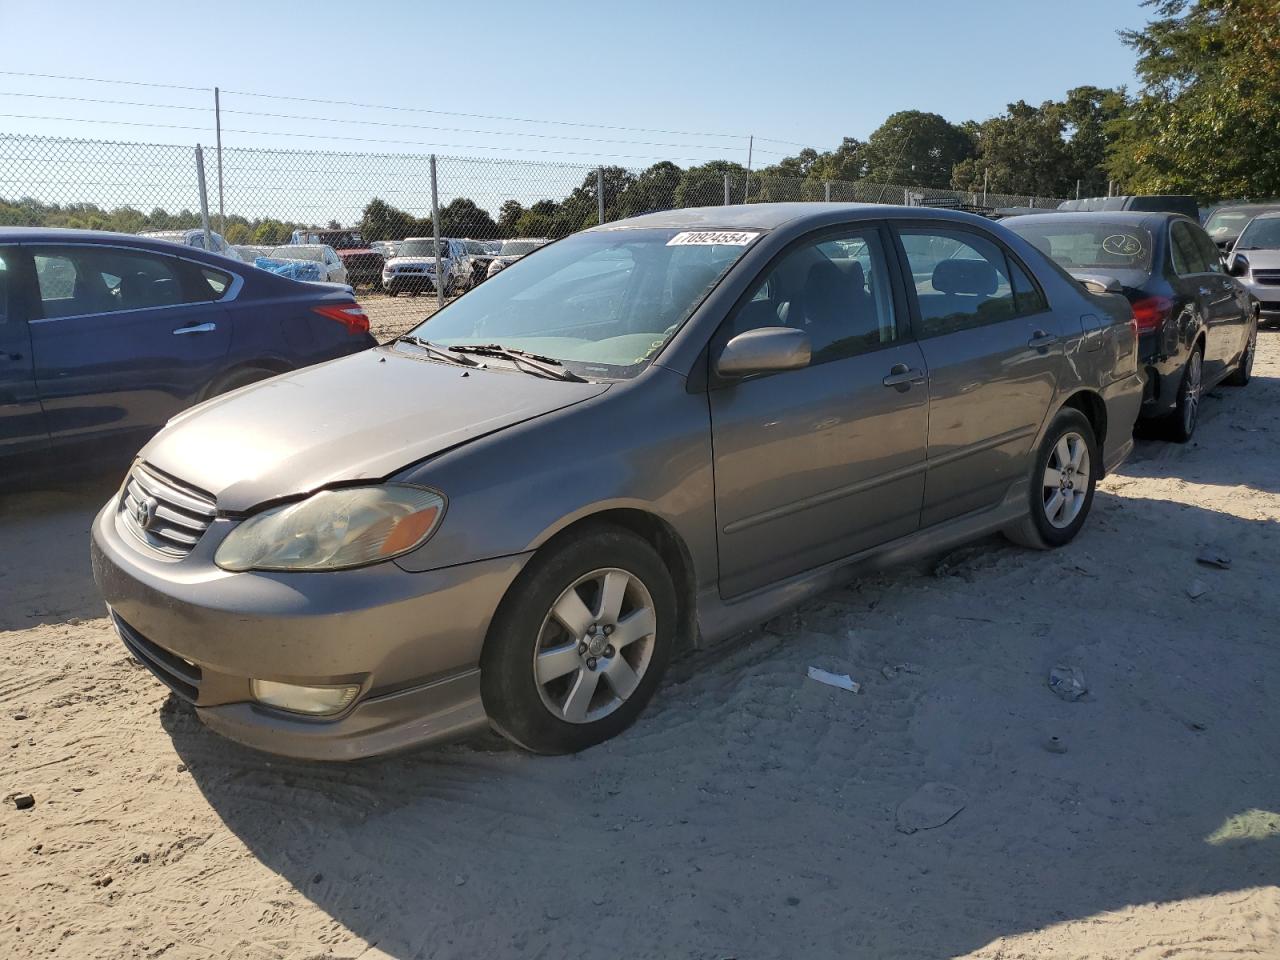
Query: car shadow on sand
{"points": [[45, 575], [751, 812]]}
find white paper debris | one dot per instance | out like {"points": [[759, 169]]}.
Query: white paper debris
{"points": [[841, 680]]}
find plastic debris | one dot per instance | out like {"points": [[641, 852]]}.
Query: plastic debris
{"points": [[931, 806], [1196, 589], [1212, 556], [1067, 682], [841, 680]]}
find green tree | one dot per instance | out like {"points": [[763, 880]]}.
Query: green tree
{"points": [[1088, 113], [703, 185], [462, 218], [508, 217], [653, 190], [1022, 151], [915, 149], [1206, 119]]}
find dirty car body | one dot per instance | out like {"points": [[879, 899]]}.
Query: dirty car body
{"points": [[717, 413]]}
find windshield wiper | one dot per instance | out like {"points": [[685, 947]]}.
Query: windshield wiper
{"points": [[440, 353], [545, 366]]}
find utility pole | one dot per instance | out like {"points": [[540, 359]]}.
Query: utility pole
{"points": [[746, 188], [600, 194], [984, 187], [217, 122], [204, 198], [435, 232]]}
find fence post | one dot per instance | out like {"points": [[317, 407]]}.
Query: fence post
{"points": [[217, 120], [600, 194], [204, 198], [435, 232], [827, 189], [727, 198]]}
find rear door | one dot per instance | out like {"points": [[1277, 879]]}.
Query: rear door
{"points": [[1196, 280], [993, 351], [22, 429], [815, 464], [124, 339]]}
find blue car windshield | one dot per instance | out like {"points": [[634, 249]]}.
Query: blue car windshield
{"points": [[603, 303]]}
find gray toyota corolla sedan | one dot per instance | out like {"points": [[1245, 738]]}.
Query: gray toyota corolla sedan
{"points": [[649, 435]]}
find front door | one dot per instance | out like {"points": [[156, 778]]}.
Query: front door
{"points": [[127, 338], [815, 464], [993, 352], [22, 429]]}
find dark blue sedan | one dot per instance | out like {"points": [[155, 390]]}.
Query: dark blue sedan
{"points": [[105, 336]]}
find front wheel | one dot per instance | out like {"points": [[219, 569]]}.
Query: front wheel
{"points": [[1062, 482], [579, 644]]}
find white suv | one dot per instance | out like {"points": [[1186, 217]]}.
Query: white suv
{"points": [[413, 269]]}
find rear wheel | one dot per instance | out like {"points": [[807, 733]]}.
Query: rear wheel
{"points": [[1062, 482], [579, 645], [1243, 372], [1186, 414]]}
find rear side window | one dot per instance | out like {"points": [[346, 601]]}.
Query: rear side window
{"points": [[1208, 249], [1188, 258], [215, 281], [4, 285], [79, 280], [960, 279]]}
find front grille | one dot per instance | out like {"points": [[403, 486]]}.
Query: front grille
{"points": [[179, 675], [163, 513], [1269, 277]]}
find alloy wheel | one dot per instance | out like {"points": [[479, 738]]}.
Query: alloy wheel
{"points": [[595, 645], [1192, 384], [1066, 480]]}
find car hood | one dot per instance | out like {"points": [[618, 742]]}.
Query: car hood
{"points": [[362, 417], [1266, 259]]}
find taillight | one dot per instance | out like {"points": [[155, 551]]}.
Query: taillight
{"points": [[350, 315], [1150, 312]]}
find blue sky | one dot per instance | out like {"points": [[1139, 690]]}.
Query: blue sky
{"points": [[807, 72], [619, 84]]}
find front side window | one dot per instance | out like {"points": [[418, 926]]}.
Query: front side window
{"points": [[603, 303], [961, 279], [836, 290], [86, 280]]}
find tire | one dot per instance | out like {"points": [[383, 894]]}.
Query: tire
{"points": [[1053, 520], [1243, 372], [1180, 426], [393, 293], [618, 580], [237, 379]]}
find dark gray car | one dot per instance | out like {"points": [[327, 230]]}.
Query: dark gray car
{"points": [[649, 435]]}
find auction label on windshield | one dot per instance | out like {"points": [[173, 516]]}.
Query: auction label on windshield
{"points": [[706, 238]]}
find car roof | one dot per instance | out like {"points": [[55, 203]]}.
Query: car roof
{"points": [[1151, 219], [1269, 215], [770, 216], [1245, 207], [71, 235]]}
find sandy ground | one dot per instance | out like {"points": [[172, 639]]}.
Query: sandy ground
{"points": [[751, 812]]}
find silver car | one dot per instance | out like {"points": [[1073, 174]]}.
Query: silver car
{"points": [[1255, 261], [648, 436]]}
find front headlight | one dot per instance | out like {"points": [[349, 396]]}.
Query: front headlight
{"points": [[334, 529]]}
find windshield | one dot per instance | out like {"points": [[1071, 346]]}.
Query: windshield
{"points": [[1228, 223], [603, 303], [1262, 233], [298, 253], [475, 247], [1088, 244], [421, 248], [513, 248]]}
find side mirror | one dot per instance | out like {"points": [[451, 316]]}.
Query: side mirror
{"points": [[1238, 266], [765, 350]]}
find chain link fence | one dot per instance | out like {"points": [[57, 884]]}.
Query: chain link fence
{"points": [[260, 196]]}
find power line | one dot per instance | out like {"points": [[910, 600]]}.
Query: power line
{"points": [[323, 136], [374, 123], [130, 83]]}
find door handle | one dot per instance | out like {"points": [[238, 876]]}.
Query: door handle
{"points": [[15, 357], [198, 328], [901, 377], [1041, 341]]}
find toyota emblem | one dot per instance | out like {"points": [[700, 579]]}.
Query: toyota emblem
{"points": [[144, 512]]}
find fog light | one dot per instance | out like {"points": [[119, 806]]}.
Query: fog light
{"points": [[313, 701]]}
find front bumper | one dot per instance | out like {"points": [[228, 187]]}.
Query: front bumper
{"points": [[410, 641], [1268, 297], [395, 283]]}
